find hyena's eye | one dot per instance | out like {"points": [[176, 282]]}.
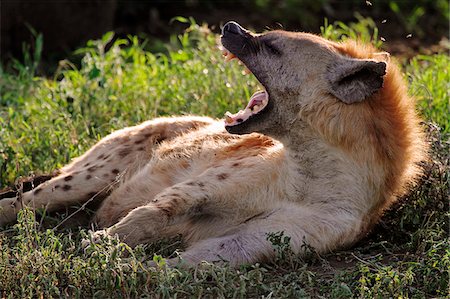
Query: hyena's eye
{"points": [[270, 46]]}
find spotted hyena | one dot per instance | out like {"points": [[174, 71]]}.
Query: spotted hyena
{"points": [[318, 154]]}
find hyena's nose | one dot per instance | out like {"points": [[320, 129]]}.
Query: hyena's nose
{"points": [[233, 27]]}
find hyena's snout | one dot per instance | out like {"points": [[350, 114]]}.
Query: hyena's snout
{"points": [[232, 27], [237, 39]]}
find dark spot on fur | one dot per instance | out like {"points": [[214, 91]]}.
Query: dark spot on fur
{"points": [[124, 152], [36, 191], [160, 139], [125, 139], [101, 156], [105, 175], [141, 148], [56, 187], [87, 164], [88, 177], [197, 209], [200, 184], [190, 183], [222, 176], [66, 187], [175, 194], [92, 168], [105, 157], [115, 171], [68, 178], [167, 210], [236, 164], [239, 120]]}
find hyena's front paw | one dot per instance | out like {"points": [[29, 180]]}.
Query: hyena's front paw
{"points": [[94, 238], [143, 224], [132, 236], [8, 210], [129, 233]]}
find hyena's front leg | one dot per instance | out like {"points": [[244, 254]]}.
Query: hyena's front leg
{"points": [[151, 221], [96, 172], [322, 227]]}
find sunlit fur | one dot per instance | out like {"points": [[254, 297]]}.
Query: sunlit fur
{"points": [[386, 125]]}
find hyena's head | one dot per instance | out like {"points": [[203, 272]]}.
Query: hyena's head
{"points": [[297, 70]]}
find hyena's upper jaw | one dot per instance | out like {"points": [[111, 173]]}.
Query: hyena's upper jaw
{"points": [[232, 27], [237, 43], [234, 37]]}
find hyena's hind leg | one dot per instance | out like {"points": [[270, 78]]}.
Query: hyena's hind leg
{"points": [[95, 173]]}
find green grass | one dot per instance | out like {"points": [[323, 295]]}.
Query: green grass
{"points": [[44, 122]]}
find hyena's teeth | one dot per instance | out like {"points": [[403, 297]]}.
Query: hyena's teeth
{"points": [[225, 52], [256, 108], [228, 118]]}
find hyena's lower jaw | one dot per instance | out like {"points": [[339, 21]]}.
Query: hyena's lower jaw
{"points": [[258, 102]]}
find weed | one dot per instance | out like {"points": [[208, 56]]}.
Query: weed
{"points": [[364, 30]]}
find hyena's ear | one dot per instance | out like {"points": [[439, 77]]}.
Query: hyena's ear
{"points": [[353, 80]]}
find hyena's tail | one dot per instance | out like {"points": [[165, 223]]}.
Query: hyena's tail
{"points": [[26, 184]]}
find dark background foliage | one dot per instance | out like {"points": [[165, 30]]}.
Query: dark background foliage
{"points": [[68, 24]]}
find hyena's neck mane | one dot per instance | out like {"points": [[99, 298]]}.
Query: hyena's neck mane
{"points": [[382, 132]]}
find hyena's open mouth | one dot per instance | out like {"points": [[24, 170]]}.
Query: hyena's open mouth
{"points": [[237, 44]]}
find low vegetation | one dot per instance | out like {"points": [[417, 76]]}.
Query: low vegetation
{"points": [[44, 122]]}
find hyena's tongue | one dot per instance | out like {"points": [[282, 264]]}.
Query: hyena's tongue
{"points": [[257, 102]]}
